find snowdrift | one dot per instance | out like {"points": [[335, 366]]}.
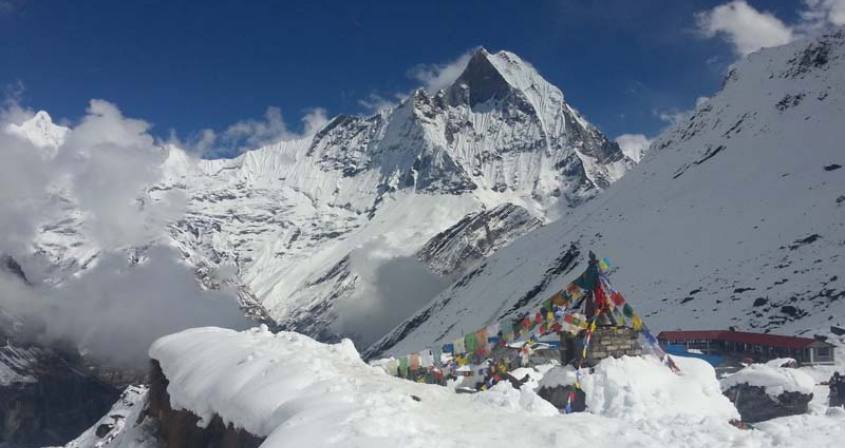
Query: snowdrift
{"points": [[642, 387], [775, 380], [297, 392]]}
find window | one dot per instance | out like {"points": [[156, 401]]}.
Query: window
{"points": [[823, 351]]}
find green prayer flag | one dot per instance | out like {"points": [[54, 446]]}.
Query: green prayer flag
{"points": [[471, 342]]}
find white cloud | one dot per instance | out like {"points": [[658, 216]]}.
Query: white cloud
{"points": [[746, 28], [314, 120], [376, 103], [115, 307], [822, 13], [633, 146], [749, 30], [671, 116], [438, 76], [109, 161], [251, 134], [255, 133]]}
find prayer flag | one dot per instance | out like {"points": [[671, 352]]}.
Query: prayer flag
{"points": [[403, 366], [574, 291], [558, 299], [509, 336], [493, 330], [617, 299], [481, 338], [636, 322], [460, 346], [471, 343], [426, 358]]}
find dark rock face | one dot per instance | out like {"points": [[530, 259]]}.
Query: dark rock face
{"points": [[178, 429], [754, 405], [483, 79], [559, 396], [55, 404], [475, 237], [10, 265]]}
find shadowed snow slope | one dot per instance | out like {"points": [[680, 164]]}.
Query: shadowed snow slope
{"points": [[298, 392], [735, 217]]}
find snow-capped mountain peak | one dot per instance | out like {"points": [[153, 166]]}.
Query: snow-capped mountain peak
{"points": [[734, 219], [40, 131], [308, 225]]}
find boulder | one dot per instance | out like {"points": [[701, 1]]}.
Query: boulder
{"points": [[756, 405], [180, 428], [559, 396]]}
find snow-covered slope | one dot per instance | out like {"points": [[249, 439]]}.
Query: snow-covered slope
{"points": [[126, 425], [735, 217], [304, 227]]}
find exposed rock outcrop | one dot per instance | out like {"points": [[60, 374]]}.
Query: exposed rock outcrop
{"points": [[179, 429], [559, 396], [50, 401], [755, 405]]}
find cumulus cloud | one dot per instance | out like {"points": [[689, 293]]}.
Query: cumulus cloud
{"points": [[434, 77], [97, 181], [109, 161], [670, 116], [822, 13], [633, 146], [255, 133], [376, 103], [746, 28], [251, 133], [23, 196], [749, 30]]}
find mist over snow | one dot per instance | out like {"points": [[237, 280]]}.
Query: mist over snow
{"points": [[98, 172], [118, 308], [393, 287], [634, 146]]}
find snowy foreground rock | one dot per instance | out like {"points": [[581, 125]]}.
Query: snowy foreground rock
{"points": [[293, 391], [765, 391]]}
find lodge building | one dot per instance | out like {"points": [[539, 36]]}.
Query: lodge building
{"points": [[757, 346]]}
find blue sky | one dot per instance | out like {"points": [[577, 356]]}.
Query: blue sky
{"points": [[186, 66]]}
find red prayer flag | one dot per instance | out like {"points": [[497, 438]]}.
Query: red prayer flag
{"points": [[617, 299]]}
